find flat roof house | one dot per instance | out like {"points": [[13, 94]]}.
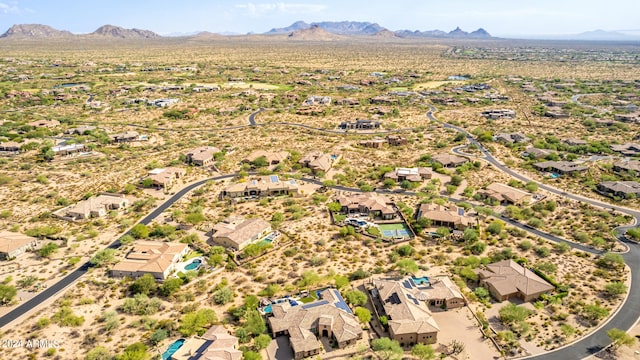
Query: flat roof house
{"points": [[560, 167], [150, 257], [329, 317], [97, 206], [124, 137], [633, 165], [505, 194], [367, 203], [410, 320], [629, 149], [440, 215], [449, 160], [360, 124], [506, 279], [416, 174], [621, 189], [215, 344], [12, 244], [269, 185], [375, 143], [237, 232], [396, 140], [10, 147], [201, 156], [499, 114]]}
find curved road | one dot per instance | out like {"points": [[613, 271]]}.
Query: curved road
{"points": [[629, 313], [76, 274]]}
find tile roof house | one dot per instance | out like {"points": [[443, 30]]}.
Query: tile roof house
{"points": [[621, 189], [273, 157], [533, 152], [329, 317], [560, 167], [409, 318], [449, 160], [150, 257], [318, 161], [237, 232], [262, 186], [416, 174], [215, 344], [201, 156], [505, 194], [506, 279], [164, 178], [97, 206], [440, 215], [367, 203], [12, 244]]}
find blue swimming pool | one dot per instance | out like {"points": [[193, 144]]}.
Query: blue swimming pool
{"points": [[194, 265], [267, 309], [173, 348], [420, 280]]}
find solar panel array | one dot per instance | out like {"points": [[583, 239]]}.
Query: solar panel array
{"points": [[314, 304]]}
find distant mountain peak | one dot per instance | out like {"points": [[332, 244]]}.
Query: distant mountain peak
{"points": [[120, 32], [334, 27], [34, 31]]}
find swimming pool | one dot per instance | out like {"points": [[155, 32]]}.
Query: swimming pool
{"points": [[420, 280], [267, 309], [195, 264], [173, 348]]}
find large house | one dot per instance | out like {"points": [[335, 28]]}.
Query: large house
{"points": [[499, 114], [505, 194], [506, 279], [124, 137], [535, 153], [367, 203], [328, 317], [272, 157], [12, 245], [416, 174], [318, 161], [10, 147], [621, 189], [409, 318], [360, 124], [440, 215], [628, 149], [164, 178], [560, 167], [236, 233], [633, 165], [96, 206], [201, 156], [215, 344], [150, 257], [511, 138], [396, 140], [449, 160], [269, 185], [68, 149]]}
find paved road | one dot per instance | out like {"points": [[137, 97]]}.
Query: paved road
{"points": [[629, 313], [76, 274]]}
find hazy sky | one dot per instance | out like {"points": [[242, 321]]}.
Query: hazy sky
{"points": [[498, 17]]}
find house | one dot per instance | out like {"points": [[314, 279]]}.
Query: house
{"points": [[163, 103], [201, 156], [10, 147], [535, 153], [621, 166], [620, 189], [499, 114], [556, 113], [150, 257], [409, 318], [629, 118], [505, 194], [375, 143], [80, 130], [575, 142], [317, 100], [449, 160], [269, 185], [69, 149], [97, 206], [12, 244], [318, 161], [44, 124], [628, 149], [348, 101], [216, 343], [506, 279], [164, 178], [328, 317], [416, 174], [511, 138], [236, 233], [359, 124], [272, 157], [395, 140], [440, 215], [124, 137], [371, 204], [560, 167]]}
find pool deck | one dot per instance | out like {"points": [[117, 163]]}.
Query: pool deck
{"points": [[180, 267]]}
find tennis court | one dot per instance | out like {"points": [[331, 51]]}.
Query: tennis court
{"points": [[393, 231]]}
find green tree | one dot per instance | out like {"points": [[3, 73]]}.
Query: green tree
{"points": [[251, 355], [223, 295], [620, 338], [512, 313], [103, 257], [146, 284], [158, 336], [255, 324], [594, 312], [363, 314], [140, 231], [406, 266], [197, 322], [99, 353], [615, 289], [48, 250], [531, 187], [135, 351], [470, 235], [334, 207], [260, 161], [423, 352], [387, 349], [456, 180], [405, 250], [611, 261], [495, 227], [170, 286], [262, 341], [7, 294]]}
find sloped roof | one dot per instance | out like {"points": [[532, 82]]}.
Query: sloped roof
{"points": [[11, 241], [507, 192], [407, 315], [437, 212], [508, 277], [239, 232], [371, 201]]}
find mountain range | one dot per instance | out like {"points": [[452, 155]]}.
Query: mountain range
{"points": [[38, 31]]}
